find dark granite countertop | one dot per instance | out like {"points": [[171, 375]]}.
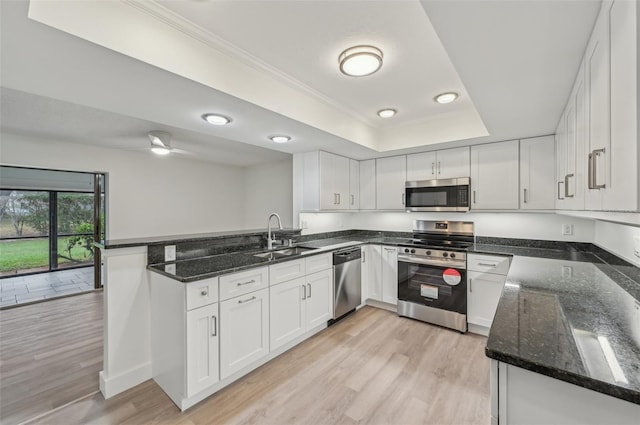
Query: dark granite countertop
{"points": [[574, 321]]}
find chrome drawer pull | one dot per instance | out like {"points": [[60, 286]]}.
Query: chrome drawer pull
{"points": [[247, 300], [487, 264], [246, 283], [214, 326], [204, 293]]}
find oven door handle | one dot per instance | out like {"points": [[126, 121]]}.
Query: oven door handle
{"points": [[437, 263]]}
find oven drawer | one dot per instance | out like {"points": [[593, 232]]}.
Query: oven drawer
{"points": [[488, 263]]}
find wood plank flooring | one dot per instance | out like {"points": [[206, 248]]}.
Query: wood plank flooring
{"points": [[374, 367], [50, 355]]}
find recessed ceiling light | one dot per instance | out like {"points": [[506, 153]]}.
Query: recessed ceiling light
{"points": [[216, 119], [446, 97], [359, 61], [160, 142], [280, 139], [387, 113]]}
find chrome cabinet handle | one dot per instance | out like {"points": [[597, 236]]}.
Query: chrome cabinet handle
{"points": [[364, 256], [214, 326], [525, 195], [433, 171], [560, 198], [487, 264], [438, 167], [474, 196], [593, 169], [246, 283], [338, 198], [247, 300], [389, 249], [590, 171], [204, 292], [309, 295], [403, 199], [353, 199], [304, 292], [566, 186], [470, 285]]}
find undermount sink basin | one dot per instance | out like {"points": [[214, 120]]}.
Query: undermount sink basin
{"points": [[273, 255]]}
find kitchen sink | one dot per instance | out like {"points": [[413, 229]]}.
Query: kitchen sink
{"points": [[274, 255]]}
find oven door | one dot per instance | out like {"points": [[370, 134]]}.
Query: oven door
{"points": [[434, 286]]}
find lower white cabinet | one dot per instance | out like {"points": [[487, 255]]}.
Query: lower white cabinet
{"points": [[202, 348], [244, 331], [371, 272], [486, 276], [299, 305], [390, 274]]}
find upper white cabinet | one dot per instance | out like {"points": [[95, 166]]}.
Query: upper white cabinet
{"points": [[391, 176], [537, 168], [561, 165], [494, 176], [354, 184], [443, 164], [325, 180], [390, 274], [368, 184]]}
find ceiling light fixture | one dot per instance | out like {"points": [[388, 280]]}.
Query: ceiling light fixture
{"points": [[216, 119], [387, 113], [160, 142], [280, 139], [359, 61], [446, 97]]}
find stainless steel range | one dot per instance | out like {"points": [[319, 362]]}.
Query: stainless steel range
{"points": [[432, 273]]}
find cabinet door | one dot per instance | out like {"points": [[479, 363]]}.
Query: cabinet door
{"points": [[561, 163], [576, 147], [374, 272], [244, 331], [537, 163], [202, 348], [452, 163], [328, 194], [494, 176], [354, 184], [597, 64], [319, 302], [368, 184], [421, 166], [391, 176], [286, 312], [341, 183], [483, 294], [364, 273], [622, 191], [390, 274]]}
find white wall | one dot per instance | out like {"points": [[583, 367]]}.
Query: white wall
{"points": [[544, 226], [148, 195], [268, 188], [618, 239]]}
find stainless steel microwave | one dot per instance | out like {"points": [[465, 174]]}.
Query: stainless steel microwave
{"points": [[438, 195]]}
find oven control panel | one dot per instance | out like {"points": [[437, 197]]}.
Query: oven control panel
{"points": [[435, 254]]}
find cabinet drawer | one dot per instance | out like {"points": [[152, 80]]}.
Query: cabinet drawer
{"points": [[236, 284], [317, 263], [201, 293], [286, 271], [488, 263]]}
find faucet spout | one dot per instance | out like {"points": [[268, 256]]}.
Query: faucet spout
{"points": [[269, 239]]}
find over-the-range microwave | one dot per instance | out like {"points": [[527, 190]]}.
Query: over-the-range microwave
{"points": [[438, 195]]}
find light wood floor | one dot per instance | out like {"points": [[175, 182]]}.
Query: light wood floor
{"points": [[373, 367], [50, 355]]}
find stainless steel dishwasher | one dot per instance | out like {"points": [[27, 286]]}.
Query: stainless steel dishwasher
{"points": [[346, 281]]}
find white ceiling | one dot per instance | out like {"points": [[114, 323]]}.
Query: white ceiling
{"points": [[514, 60]]}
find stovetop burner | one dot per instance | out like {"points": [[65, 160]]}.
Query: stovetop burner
{"points": [[450, 235]]}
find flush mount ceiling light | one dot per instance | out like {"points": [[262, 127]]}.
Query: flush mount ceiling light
{"points": [[359, 61], [216, 119], [280, 139], [387, 113], [446, 97], [160, 142]]}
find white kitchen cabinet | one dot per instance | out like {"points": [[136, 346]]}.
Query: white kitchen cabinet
{"points": [[367, 184], [240, 283], [354, 184], [442, 164], [391, 176], [390, 274], [287, 270], [494, 176], [325, 180], [486, 276], [537, 177], [287, 316], [244, 331], [299, 305], [372, 271], [202, 348], [561, 162]]}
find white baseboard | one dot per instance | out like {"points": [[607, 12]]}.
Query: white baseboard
{"points": [[110, 386], [478, 329], [382, 305]]}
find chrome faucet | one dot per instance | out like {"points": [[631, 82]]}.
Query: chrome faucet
{"points": [[269, 240]]}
